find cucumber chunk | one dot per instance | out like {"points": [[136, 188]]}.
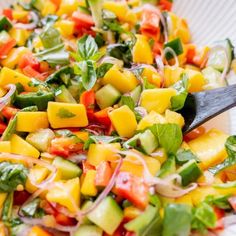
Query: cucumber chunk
{"points": [[107, 215], [107, 96], [62, 94], [189, 172], [88, 230], [168, 167], [68, 169], [5, 24]]}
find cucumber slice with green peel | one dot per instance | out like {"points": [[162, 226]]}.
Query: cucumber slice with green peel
{"points": [[107, 96], [148, 142], [107, 215], [217, 58], [5, 24], [213, 78], [176, 45], [4, 37], [135, 94], [39, 99], [189, 172], [62, 94], [168, 167], [41, 139], [88, 230], [68, 169]]}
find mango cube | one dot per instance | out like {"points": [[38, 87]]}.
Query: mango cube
{"points": [[174, 118], [157, 99], [152, 76], [88, 187], [5, 146], [196, 80], [68, 7], [124, 82], [3, 197], [49, 8], [124, 121], [210, 148], [20, 35], [31, 121], [62, 115], [20, 146], [172, 75], [66, 27], [142, 52], [67, 194]]}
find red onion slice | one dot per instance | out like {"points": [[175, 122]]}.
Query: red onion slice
{"points": [[229, 220], [30, 26], [170, 50], [6, 99]]}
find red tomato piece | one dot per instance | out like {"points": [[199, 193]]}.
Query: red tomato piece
{"points": [[102, 116], [103, 174], [82, 20], [194, 133], [29, 71], [29, 60], [165, 4], [64, 220], [9, 112], [3, 126], [20, 197], [8, 13], [7, 47]]}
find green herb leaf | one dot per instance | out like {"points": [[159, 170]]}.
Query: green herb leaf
{"points": [[11, 175], [169, 136], [178, 101], [177, 220], [30, 208], [50, 37], [230, 145], [87, 47], [88, 74], [219, 201], [128, 101], [63, 113], [102, 69], [184, 155]]}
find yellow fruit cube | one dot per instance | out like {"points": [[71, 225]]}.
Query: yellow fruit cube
{"points": [[66, 193], [210, 148], [66, 27], [172, 75], [31, 121], [68, 7], [88, 187], [3, 197], [157, 99], [196, 80], [151, 119], [153, 165], [101, 152], [174, 118], [48, 9], [142, 52], [2, 92], [124, 82], [83, 135], [20, 35], [62, 115], [19, 15], [38, 174], [5, 146], [124, 121], [20, 146], [8, 76], [14, 56], [183, 31], [152, 76], [160, 155], [186, 199]]}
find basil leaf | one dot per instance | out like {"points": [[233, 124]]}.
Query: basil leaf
{"points": [[88, 74], [178, 101], [169, 136], [230, 145], [177, 220], [183, 156], [87, 47], [219, 201], [11, 175], [30, 208], [102, 69], [63, 113], [54, 56], [7, 208], [127, 100], [50, 37]]}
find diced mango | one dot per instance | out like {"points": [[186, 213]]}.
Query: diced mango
{"points": [[68, 7], [2, 199], [48, 8], [88, 187], [131, 212], [66, 27], [157, 99], [83, 135], [230, 173], [20, 35], [38, 231], [184, 145], [172, 75], [67, 194], [196, 80], [14, 56], [5, 146], [2, 92], [62, 115], [210, 148], [38, 174], [183, 31], [20, 146], [19, 15], [124, 121], [124, 82], [151, 119], [160, 155], [174, 118], [142, 52], [31, 121], [101, 152], [8, 76], [186, 199], [152, 76]]}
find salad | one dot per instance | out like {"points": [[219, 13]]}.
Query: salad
{"points": [[91, 144]]}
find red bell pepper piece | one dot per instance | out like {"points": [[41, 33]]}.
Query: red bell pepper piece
{"points": [[3, 126], [88, 99], [8, 13], [103, 174], [9, 112], [82, 20], [29, 71], [6, 48], [191, 53], [165, 5], [220, 213], [102, 116], [64, 220], [132, 188], [29, 60]]}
